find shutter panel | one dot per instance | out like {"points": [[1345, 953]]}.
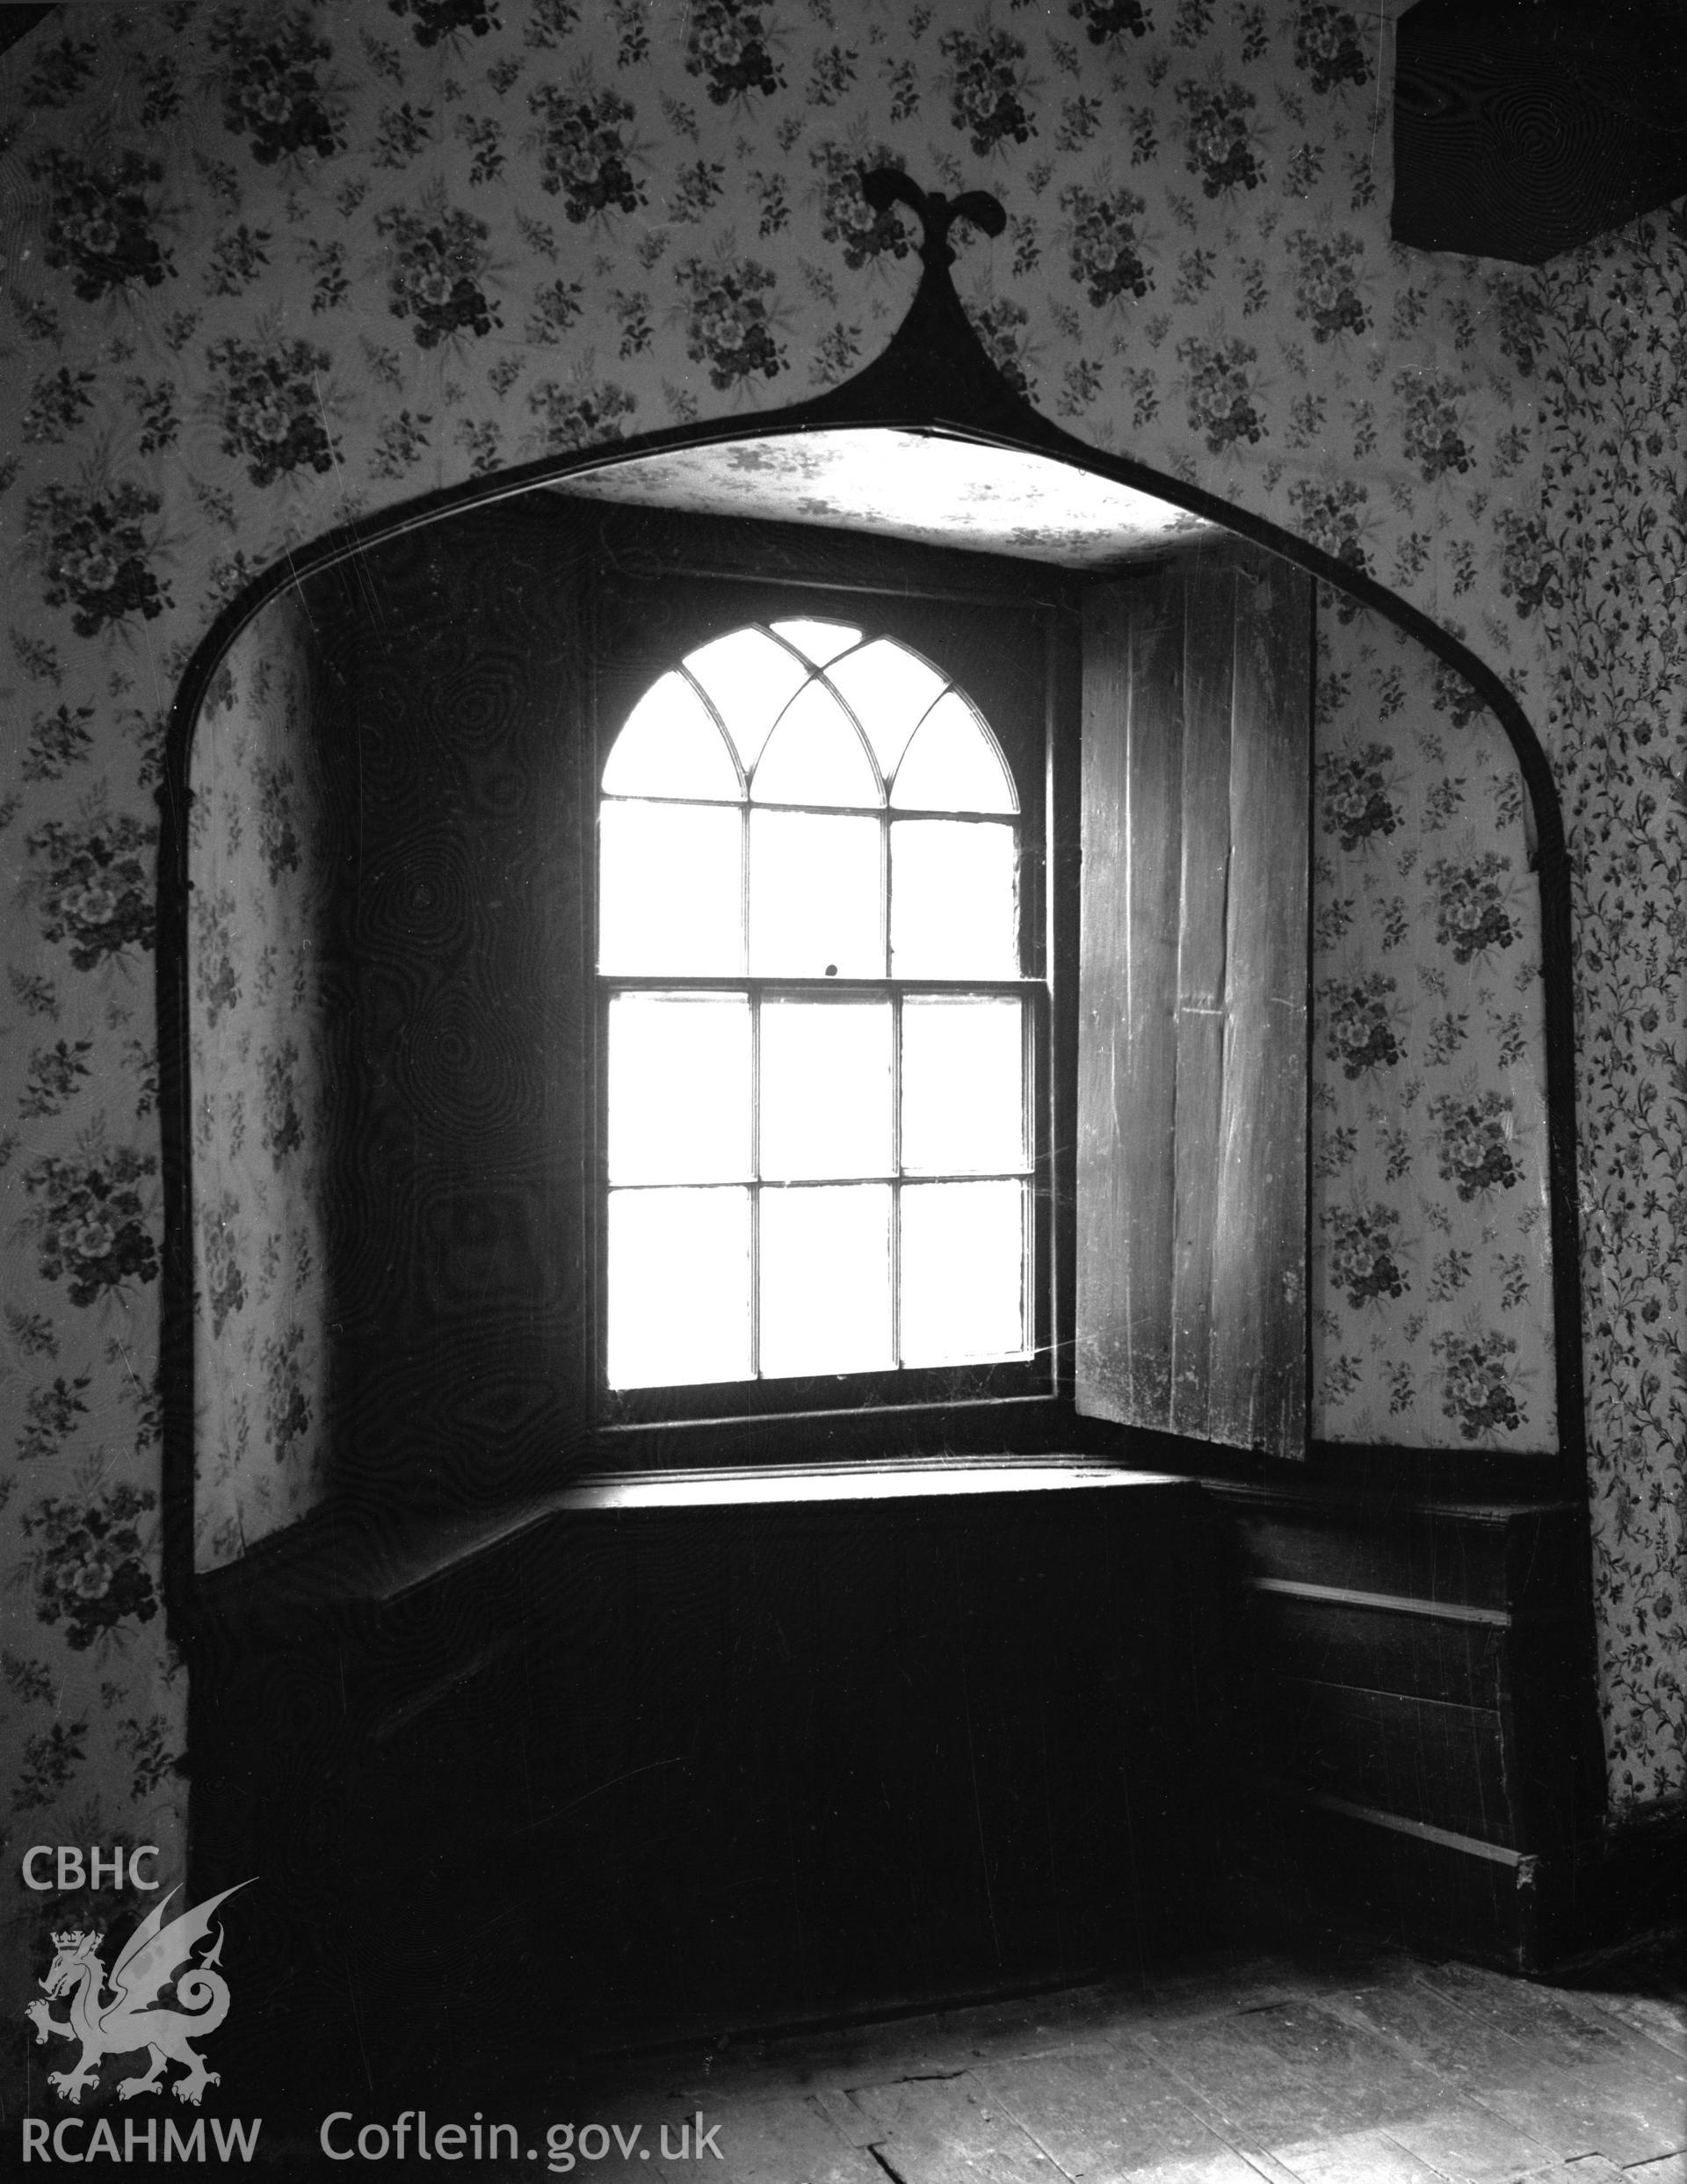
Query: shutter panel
{"points": [[1191, 1166]]}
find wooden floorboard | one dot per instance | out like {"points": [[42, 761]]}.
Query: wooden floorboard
{"points": [[950, 2130], [1107, 2114], [1349, 2068]]}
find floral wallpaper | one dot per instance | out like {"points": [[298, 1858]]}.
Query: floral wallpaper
{"points": [[1607, 562], [274, 267], [262, 843], [1431, 1269]]}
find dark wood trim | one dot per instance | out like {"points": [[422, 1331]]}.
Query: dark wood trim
{"points": [[175, 1345], [1393, 1603], [1396, 1823]]}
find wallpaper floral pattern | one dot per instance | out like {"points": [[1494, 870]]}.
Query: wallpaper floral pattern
{"points": [[272, 267], [1606, 559], [1431, 1300], [263, 845]]}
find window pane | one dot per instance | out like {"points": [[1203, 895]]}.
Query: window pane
{"points": [[750, 680], [679, 1097], [814, 894], [963, 1085], [669, 894], [814, 757], [825, 1275], [963, 1271], [672, 746], [819, 641], [952, 764], [678, 1286], [953, 899], [825, 1104], [889, 690]]}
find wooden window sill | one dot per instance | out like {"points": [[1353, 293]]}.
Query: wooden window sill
{"points": [[356, 1557]]}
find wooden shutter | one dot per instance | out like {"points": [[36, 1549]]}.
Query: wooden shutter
{"points": [[1191, 1166], [457, 960]]}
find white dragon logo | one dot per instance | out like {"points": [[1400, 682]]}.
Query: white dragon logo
{"points": [[127, 2019]]}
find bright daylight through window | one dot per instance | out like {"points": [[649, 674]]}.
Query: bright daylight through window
{"points": [[820, 1042]]}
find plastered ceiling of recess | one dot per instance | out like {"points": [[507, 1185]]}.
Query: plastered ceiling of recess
{"points": [[906, 485]]}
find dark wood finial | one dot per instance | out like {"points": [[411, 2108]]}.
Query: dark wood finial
{"points": [[885, 186]]}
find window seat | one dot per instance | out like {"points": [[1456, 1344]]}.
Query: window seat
{"points": [[738, 1749], [350, 1556]]}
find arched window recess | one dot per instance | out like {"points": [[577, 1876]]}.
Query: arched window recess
{"points": [[928, 449]]}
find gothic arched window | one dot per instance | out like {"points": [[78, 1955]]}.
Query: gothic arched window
{"points": [[821, 1054]]}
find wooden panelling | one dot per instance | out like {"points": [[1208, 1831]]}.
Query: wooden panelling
{"points": [[456, 1251], [1423, 1758], [1380, 1650], [1502, 1558], [1554, 1759], [1421, 1674], [1192, 976], [1432, 1888], [870, 1754], [730, 1765]]}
